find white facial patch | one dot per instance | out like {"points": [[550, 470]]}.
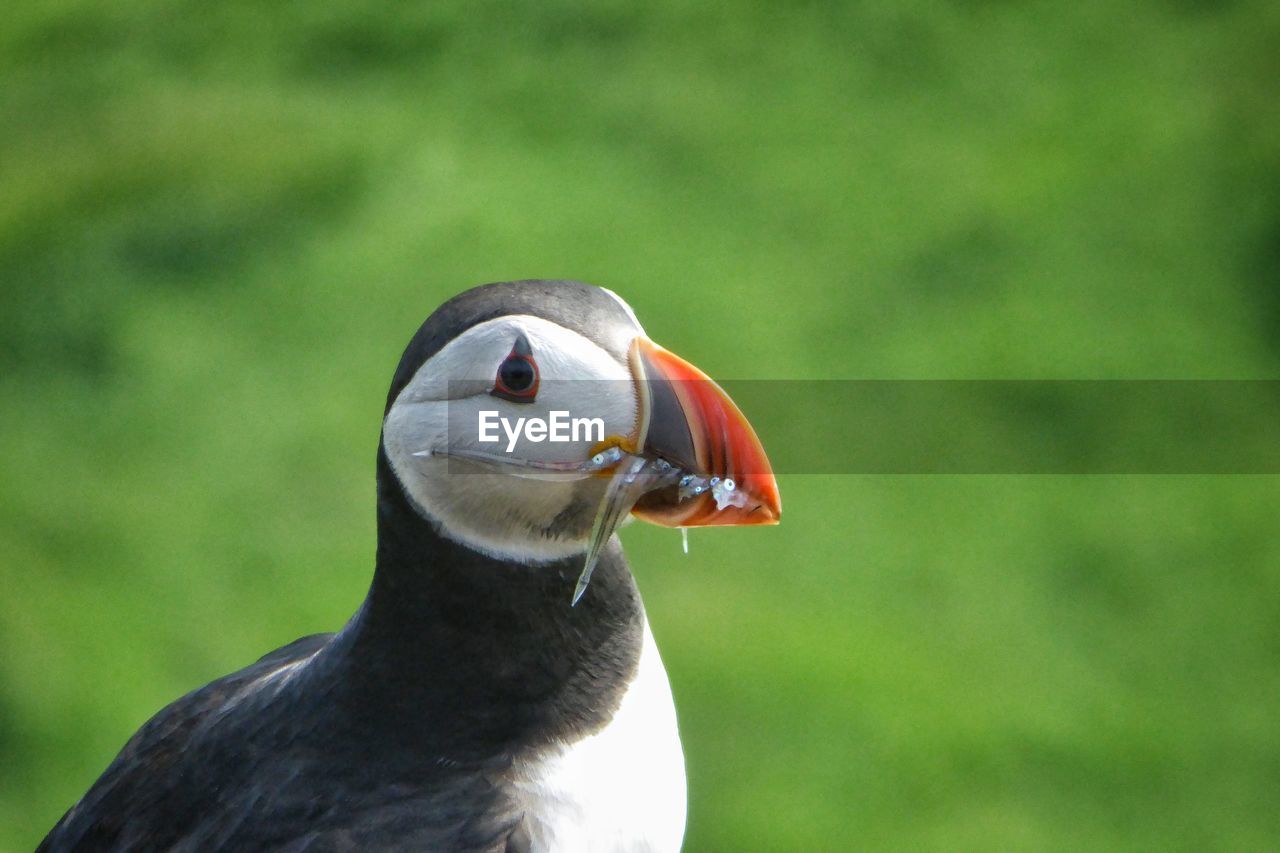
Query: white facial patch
{"points": [[440, 415]]}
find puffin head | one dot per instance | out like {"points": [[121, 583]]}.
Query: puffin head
{"points": [[527, 418]]}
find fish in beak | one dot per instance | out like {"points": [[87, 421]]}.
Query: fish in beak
{"points": [[694, 460], [688, 420]]}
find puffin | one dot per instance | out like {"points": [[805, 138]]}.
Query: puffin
{"points": [[499, 688]]}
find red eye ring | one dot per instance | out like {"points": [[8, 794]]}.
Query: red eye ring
{"points": [[517, 378]]}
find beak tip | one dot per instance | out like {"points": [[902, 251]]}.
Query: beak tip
{"points": [[768, 511], [767, 515], [768, 500]]}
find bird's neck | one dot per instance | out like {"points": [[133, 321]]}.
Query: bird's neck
{"points": [[456, 647]]}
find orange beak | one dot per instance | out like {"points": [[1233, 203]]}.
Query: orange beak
{"points": [[687, 419]]}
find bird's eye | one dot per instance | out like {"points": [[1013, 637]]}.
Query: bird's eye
{"points": [[517, 378]]}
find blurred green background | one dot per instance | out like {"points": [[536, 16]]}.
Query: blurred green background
{"points": [[220, 224]]}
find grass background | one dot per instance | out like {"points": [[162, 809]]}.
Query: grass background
{"points": [[220, 223]]}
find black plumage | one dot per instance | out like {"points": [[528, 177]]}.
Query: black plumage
{"points": [[397, 732]]}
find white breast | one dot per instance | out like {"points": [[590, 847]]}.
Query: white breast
{"points": [[621, 789]]}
